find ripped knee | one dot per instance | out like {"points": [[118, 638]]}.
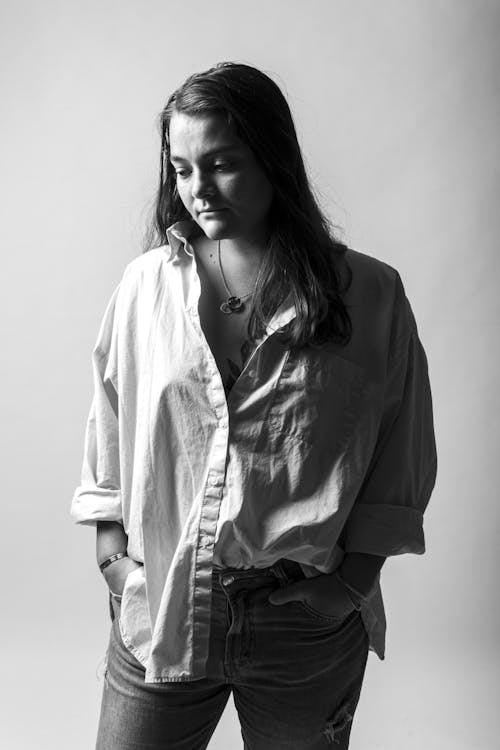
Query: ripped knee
{"points": [[338, 722]]}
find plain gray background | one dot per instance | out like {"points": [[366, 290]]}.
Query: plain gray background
{"points": [[397, 109]]}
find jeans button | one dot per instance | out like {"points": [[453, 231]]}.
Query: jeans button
{"points": [[226, 580]]}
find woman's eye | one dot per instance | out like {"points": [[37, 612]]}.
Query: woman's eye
{"points": [[221, 166]]}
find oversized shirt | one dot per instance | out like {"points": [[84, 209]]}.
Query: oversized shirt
{"points": [[312, 455]]}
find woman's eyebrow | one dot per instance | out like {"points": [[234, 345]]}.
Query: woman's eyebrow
{"points": [[211, 152]]}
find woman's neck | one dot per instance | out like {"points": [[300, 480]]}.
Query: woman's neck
{"points": [[237, 254], [240, 261], [241, 249]]}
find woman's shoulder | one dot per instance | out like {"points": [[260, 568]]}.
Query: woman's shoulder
{"points": [[150, 260], [149, 268], [368, 268], [143, 281], [374, 280], [376, 288]]}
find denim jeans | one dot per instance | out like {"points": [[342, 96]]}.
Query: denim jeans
{"points": [[295, 675]]}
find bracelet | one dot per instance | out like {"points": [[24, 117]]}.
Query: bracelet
{"points": [[360, 598], [111, 559]]}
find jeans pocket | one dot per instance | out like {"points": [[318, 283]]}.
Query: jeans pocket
{"points": [[315, 614], [285, 578]]}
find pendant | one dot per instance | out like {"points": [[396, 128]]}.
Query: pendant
{"points": [[232, 304]]}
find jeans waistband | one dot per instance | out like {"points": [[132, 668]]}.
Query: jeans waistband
{"points": [[282, 569]]}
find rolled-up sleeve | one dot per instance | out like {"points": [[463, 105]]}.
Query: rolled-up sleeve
{"points": [[98, 496], [387, 517]]}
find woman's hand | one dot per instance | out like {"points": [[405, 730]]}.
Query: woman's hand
{"points": [[324, 593], [116, 573]]}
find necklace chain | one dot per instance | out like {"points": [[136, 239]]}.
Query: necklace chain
{"points": [[233, 303]]}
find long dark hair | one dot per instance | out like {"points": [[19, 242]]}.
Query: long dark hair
{"points": [[302, 253]]}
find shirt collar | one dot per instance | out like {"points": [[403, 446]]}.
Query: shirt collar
{"points": [[283, 315], [178, 235]]}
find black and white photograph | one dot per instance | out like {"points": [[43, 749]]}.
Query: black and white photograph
{"points": [[251, 375]]}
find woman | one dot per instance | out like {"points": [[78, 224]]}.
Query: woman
{"points": [[260, 440]]}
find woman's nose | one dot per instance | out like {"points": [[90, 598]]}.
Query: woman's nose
{"points": [[200, 185]]}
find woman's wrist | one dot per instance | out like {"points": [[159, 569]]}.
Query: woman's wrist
{"points": [[360, 571], [116, 574], [111, 539], [110, 560], [356, 597]]}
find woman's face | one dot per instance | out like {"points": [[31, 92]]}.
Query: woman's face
{"points": [[218, 178]]}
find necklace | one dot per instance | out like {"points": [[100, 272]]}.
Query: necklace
{"points": [[233, 303]]}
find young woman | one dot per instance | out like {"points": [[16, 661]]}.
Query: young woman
{"points": [[260, 440]]}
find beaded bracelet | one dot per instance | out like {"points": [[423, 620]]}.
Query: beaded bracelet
{"points": [[360, 598], [111, 559]]}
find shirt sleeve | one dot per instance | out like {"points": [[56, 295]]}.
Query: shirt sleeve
{"points": [[387, 517], [98, 497]]}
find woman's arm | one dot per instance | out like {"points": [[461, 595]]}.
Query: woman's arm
{"points": [[360, 570], [110, 539], [327, 593]]}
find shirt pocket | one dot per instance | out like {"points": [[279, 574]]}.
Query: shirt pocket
{"points": [[318, 401]]}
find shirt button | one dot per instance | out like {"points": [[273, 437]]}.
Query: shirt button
{"points": [[223, 423], [251, 373], [227, 580], [215, 481]]}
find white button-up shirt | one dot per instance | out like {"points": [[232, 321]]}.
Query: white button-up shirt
{"points": [[312, 454]]}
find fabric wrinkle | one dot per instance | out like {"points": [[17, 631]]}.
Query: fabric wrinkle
{"points": [[310, 456]]}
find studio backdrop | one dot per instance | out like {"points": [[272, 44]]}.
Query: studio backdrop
{"points": [[397, 110]]}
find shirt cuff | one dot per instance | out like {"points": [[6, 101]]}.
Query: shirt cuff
{"points": [[94, 504], [384, 530]]}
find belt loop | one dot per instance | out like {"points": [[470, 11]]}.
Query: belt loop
{"points": [[279, 571]]}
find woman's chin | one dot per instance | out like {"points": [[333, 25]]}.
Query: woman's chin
{"points": [[215, 229]]}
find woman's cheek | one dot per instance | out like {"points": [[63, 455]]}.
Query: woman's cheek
{"points": [[230, 186], [184, 195]]}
